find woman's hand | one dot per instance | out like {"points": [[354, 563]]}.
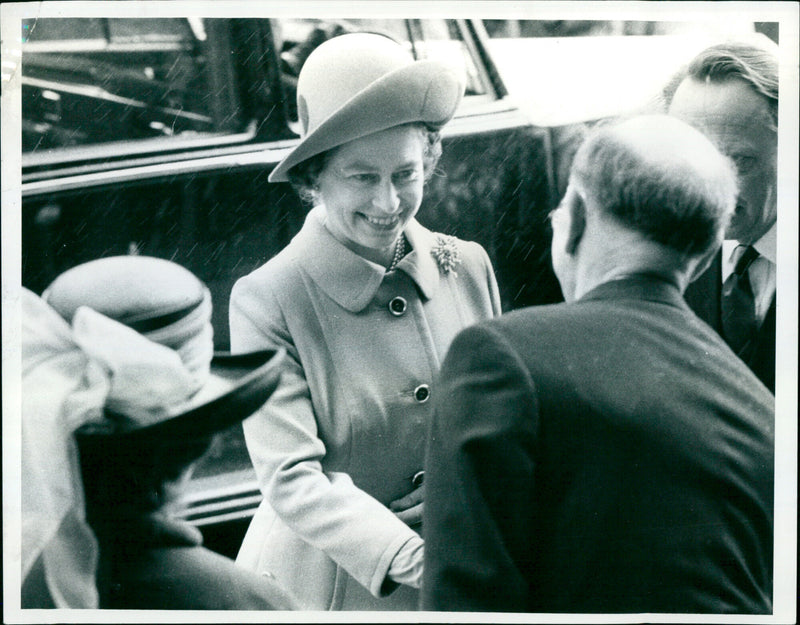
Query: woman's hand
{"points": [[409, 508]]}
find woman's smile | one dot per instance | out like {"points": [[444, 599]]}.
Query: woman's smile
{"points": [[371, 188], [381, 223]]}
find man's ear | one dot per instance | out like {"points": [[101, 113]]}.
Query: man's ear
{"points": [[577, 222]]}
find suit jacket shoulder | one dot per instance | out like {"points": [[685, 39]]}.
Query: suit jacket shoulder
{"points": [[584, 452]]}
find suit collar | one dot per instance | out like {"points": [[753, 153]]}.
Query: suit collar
{"points": [[351, 280], [642, 286]]}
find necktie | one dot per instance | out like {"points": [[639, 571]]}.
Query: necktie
{"points": [[739, 322]]}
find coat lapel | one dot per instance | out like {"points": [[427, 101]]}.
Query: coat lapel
{"points": [[419, 264], [351, 280]]}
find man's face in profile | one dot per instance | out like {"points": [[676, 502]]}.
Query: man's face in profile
{"points": [[737, 119]]}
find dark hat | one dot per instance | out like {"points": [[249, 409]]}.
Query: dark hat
{"points": [[125, 463]]}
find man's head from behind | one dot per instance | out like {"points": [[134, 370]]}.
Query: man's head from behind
{"points": [[730, 92], [648, 194]]}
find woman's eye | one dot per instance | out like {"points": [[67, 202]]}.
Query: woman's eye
{"points": [[364, 178], [406, 175]]}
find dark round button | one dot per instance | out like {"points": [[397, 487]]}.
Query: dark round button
{"points": [[418, 478], [422, 393], [398, 306]]}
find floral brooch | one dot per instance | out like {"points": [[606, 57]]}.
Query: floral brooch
{"points": [[446, 254]]}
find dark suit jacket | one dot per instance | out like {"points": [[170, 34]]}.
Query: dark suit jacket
{"points": [[703, 297], [609, 455], [156, 563]]}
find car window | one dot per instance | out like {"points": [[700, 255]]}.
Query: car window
{"points": [[443, 40], [96, 81], [90, 81]]}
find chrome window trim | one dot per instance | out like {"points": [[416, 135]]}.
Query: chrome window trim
{"points": [[269, 154], [168, 147], [485, 115], [221, 498]]}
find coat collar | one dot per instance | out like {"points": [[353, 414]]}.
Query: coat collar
{"points": [[643, 286], [351, 280]]}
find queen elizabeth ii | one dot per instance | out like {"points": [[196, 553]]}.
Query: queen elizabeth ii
{"points": [[366, 302]]}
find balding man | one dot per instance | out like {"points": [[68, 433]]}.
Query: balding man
{"points": [[608, 454], [730, 93]]}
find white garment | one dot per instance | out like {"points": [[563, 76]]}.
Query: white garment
{"points": [[406, 567]]}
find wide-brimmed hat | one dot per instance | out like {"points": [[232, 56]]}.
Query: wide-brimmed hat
{"points": [[118, 357], [360, 83], [238, 386], [167, 305]]}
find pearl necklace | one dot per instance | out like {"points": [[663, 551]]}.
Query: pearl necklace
{"points": [[399, 252]]}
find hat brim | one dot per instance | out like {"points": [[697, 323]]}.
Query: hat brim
{"points": [[425, 91], [238, 386]]}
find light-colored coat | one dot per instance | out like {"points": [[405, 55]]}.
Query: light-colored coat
{"points": [[345, 432]]}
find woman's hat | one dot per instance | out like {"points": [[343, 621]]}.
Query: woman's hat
{"points": [[238, 386], [118, 357], [360, 83], [170, 309]]}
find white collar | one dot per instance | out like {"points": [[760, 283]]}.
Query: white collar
{"points": [[766, 246], [352, 280]]}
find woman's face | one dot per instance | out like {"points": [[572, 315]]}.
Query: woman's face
{"points": [[371, 188]]}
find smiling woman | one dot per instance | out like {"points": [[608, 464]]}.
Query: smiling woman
{"points": [[366, 302], [371, 188]]}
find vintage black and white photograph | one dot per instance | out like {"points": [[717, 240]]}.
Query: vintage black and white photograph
{"points": [[399, 311]]}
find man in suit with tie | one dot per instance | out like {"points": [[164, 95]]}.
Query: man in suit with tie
{"points": [[608, 454], [730, 92]]}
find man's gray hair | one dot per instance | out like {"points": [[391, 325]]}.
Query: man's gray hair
{"points": [[682, 203], [757, 65]]}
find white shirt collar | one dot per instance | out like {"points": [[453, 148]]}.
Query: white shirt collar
{"points": [[766, 246]]}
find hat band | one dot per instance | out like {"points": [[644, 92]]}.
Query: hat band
{"points": [[150, 324], [191, 336]]}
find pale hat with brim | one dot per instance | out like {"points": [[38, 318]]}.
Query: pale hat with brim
{"points": [[167, 303], [117, 356], [357, 84]]}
